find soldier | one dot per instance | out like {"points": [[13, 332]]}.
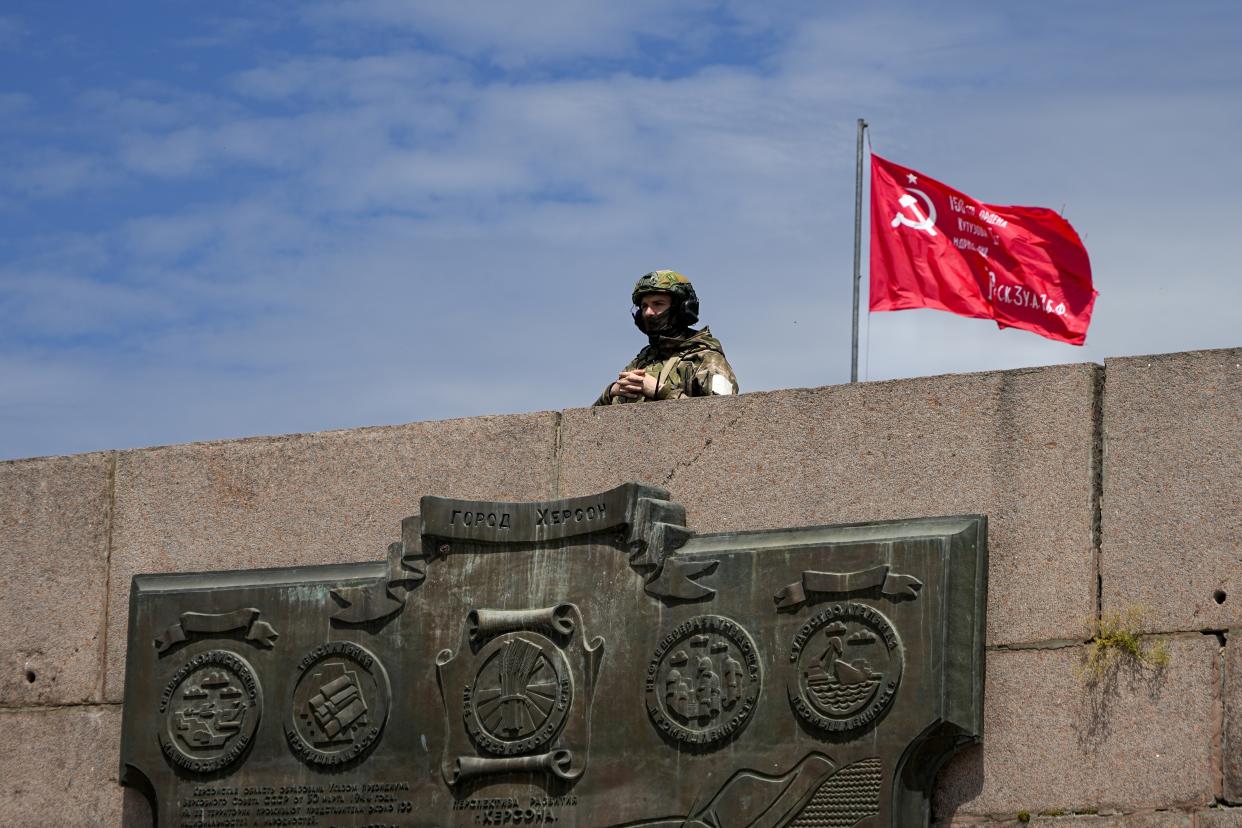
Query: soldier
{"points": [[678, 360]]}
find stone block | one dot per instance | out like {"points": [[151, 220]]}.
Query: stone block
{"points": [[1141, 740], [54, 555], [1154, 819], [1051, 819], [331, 497], [1172, 505], [1220, 818], [1016, 446], [61, 768], [1231, 731]]}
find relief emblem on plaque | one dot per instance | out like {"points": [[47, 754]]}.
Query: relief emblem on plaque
{"points": [[519, 693], [847, 662], [210, 709], [703, 680], [339, 704], [520, 696]]}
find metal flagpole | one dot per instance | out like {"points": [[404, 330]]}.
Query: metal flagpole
{"points": [[858, 200]]}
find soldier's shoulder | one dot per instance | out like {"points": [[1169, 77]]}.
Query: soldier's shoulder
{"points": [[703, 344]]}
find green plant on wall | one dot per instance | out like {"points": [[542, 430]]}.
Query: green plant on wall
{"points": [[1115, 641]]}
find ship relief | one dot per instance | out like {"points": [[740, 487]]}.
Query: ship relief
{"points": [[847, 664], [815, 793], [518, 694], [703, 681], [210, 710], [339, 705]]}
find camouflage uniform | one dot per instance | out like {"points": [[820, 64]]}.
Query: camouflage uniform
{"points": [[685, 362]]}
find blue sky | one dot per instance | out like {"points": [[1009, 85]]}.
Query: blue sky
{"points": [[225, 219]]}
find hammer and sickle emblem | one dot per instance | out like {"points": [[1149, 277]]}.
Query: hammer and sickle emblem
{"points": [[920, 221]]}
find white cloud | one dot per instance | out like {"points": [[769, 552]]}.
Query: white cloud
{"points": [[385, 78], [516, 35], [12, 103], [13, 31], [51, 305], [52, 173], [394, 234], [144, 106]]}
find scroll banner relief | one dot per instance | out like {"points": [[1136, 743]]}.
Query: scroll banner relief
{"points": [[260, 632], [585, 662]]}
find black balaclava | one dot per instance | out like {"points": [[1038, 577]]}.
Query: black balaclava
{"points": [[670, 323]]}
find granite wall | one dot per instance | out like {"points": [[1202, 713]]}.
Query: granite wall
{"points": [[1107, 487]]}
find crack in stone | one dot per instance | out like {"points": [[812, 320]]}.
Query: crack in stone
{"points": [[1048, 644], [36, 708], [1064, 643], [1097, 484], [556, 456], [685, 464], [101, 685]]}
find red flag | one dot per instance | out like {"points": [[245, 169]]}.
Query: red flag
{"points": [[934, 247]]}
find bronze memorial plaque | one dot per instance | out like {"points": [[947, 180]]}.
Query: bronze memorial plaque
{"points": [[581, 662]]}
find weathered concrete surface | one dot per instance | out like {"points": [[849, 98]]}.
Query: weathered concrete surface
{"points": [[1231, 731], [1143, 740], [54, 560], [1148, 819], [1209, 818], [1154, 819], [306, 499], [1016, 446], [1172, 505], [1158, 819], [71, 779]]}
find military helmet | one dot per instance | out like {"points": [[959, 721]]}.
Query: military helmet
{"points": [[685, 300]]}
